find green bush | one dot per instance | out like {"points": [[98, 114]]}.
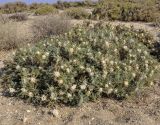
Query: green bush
{"points": [[126, 11], [77, 13], [82, 65], [46, 9]]}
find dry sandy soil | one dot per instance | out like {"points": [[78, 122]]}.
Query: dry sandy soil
{"points": [[143, 109]]}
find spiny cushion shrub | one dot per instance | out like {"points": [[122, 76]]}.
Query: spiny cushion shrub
{"points": [[46, 9], [77, 13], [82, 65]]}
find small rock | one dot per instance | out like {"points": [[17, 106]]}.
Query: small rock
{"points": [[28, 111], [25, 120], [55, 113]]}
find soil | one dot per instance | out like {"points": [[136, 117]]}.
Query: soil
{"points": [[142, 109]]}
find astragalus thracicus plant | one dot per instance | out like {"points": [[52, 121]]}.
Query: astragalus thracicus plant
{"points": [[82, 65]]}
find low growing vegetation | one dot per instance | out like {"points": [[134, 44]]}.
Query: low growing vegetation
{"points": [[46, 9], [77, 13], [146, 11], [82, 65]]}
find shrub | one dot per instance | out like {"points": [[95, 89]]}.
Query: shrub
{"points": [[125, 11], [77, 13], [82, 65], [13, 35], [19, 17], [8, 35], [14, 7], [50, 25], [46, 9], [3, 19]]}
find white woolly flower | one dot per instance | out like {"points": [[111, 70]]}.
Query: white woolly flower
{"points": [[116, 90], [145, 52], [33, 79], [18, 67], [110, 91], [71, 50], [125, 47], [38, 53], [12, 90], [44, 57], [126, 83], [107, 44], [111, 62], [60, 81], [56, 74], [53, 97], [43, 98], [111, 69], [106, 85], [68, 70], [69, 95], [133, 74], [23, 90], [115, 50], [47, 53], [139, 50], [151, 83], [100, 89], [83, 86], [30, 94], [89, 70], [73, 87], [81, 67]]}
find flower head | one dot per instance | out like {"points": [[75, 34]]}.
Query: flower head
{"points": [[56, 74]]}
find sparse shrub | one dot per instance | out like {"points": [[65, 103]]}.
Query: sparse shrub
{"points": [[82, 65], [3, 19], [19, 17], [8, 36], [77, 13], [50, 25], [46, 9]]}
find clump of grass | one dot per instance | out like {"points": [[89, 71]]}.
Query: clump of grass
{"points": [[82, 65]]}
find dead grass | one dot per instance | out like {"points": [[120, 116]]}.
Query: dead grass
{"points": [[50, 25]]}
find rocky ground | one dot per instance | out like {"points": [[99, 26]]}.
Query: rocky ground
{"points": [[143, 109]]}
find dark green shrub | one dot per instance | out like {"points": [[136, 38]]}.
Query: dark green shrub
{"points": [[82, 65], [77, 13], [46, 9]]}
